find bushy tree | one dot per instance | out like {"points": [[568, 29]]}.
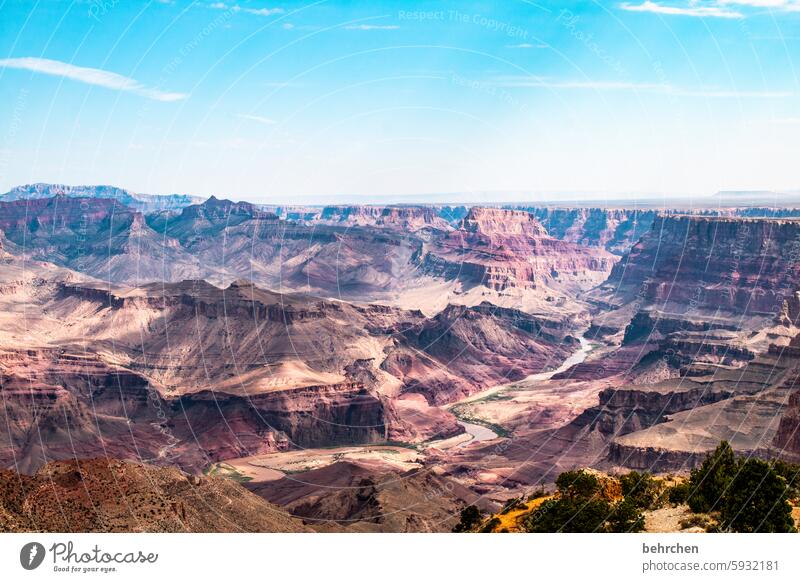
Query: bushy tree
{"points": [[580, 508], [756, 500], [591, 515], [569, 515], [511, 504], [625, 517], [790, 472], [709, 482], [641, 489], [577, 484], [471, 518], [679, 493]]}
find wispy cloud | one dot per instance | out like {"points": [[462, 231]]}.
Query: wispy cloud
{"points": [[372, 27], [258, 118], [237, 8], [787, 5], [691, 9], [97, 77], [263, 11], [711, 8], [662, 88]]}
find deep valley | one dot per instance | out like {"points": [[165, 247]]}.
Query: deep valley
{"points": [[376, 368]]}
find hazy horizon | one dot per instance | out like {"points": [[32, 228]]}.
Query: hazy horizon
{"points": [[490, 198], [333, 100]]}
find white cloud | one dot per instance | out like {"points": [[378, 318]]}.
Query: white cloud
{"points": [[263, 11], [372, 27], [712, 8], [790, 5], [90, 76], [663, 88], [237, 8], [692, 9], [258, 118]]}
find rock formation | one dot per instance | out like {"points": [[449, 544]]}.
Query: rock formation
{"points": [[106, 495], [510, 248], [352, 497], [614, 229], [141, 202]]}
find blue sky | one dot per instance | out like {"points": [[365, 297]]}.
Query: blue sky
{"points": [[330, 100]]}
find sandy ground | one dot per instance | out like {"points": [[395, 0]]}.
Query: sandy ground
{"points": [[445, 444], [548, 404], [431, 296], [668, 520], [276, 465], [536, 401], [531, 381]]}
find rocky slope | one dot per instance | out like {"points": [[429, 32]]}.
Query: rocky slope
{"points": [[673, 424], [409, 218], [701, 263], [140, 202], [99, 237], [702, 288], [614, 229], [60, 404], [509, 248], [404, 256], [463, 349], [349, 496], [106, 495], [189, 373]]}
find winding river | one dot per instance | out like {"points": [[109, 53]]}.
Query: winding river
{"points": [[482, 433]]}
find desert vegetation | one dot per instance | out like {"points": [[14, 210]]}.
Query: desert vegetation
{"points": [[726, 493], [743, 494]]}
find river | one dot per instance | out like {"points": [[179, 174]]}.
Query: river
{"points": [[482, 433]]}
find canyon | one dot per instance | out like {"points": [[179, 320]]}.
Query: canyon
{"points": [[376, 368]]}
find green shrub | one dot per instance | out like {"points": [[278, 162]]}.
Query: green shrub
{"points": [[757, 500], [679, 493], [471, 517], [490, 525], [537, 493], [578, 485], [697, 520], [511, 504], [641, 489], [709, 482], [569, 515], [751, 495], [625, 517], [791, 473], [580, 509]]}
